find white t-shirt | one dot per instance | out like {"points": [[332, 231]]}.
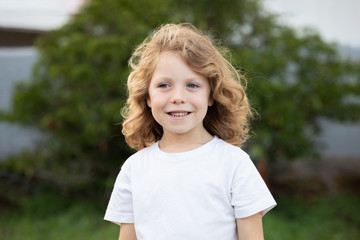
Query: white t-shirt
{"points": [[188, 195]]}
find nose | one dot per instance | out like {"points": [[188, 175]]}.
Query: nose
{"points": [[178, 96]]}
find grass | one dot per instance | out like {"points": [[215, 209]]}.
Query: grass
{"points": [[72, 224], [332, 218], [53, 218]]}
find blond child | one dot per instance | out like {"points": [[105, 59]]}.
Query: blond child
{"points": [[187, 114]]}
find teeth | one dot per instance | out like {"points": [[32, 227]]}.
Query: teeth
{"points": [[178, 114]]}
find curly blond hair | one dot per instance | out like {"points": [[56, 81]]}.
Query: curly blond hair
{"points": [[227, 118]]}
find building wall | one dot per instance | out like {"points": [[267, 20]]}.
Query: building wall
{"points": [[15, 66], [17, 38]]}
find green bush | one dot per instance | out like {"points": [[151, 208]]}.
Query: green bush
{"points": [[78, 86]]}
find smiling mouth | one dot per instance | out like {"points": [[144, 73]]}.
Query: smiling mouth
{"points": [[179, 114]]}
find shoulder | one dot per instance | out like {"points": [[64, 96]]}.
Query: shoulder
{"points": [[230, 151], [140, 157], [232, 157]]}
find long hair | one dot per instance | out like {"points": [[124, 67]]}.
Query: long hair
{"points": [[227, 118]]}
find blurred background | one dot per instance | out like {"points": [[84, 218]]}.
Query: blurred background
{"points": [[63, 69]]}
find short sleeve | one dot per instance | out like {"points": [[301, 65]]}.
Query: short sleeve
{"points": [[120, 207], [249, 193]]}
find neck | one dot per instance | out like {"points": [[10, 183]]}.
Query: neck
{"points": [[183, 142]]}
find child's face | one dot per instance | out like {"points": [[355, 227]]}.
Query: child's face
{"points": [[178, 97]]}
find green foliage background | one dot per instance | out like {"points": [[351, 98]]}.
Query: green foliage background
{"points": [[78, 87]]}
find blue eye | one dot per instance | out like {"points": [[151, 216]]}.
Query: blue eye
{"points": [[164, 85], [192, 85]]}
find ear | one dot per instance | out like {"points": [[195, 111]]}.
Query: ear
{"points": [[148, 102]]}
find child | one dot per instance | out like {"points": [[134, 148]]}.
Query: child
{"points": [[187, 113]]}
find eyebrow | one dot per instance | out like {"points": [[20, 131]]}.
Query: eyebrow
{"points": [[167, 78]]}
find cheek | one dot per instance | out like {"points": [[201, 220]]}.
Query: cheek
{"points": [[158, 98], [156, 102], [150, 98], [208, 98], [210, 101], [204, 103]]}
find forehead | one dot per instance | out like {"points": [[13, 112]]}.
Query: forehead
{"points": [[173, 65]]}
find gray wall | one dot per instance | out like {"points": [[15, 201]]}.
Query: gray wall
{"points": [[15, 66]]}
